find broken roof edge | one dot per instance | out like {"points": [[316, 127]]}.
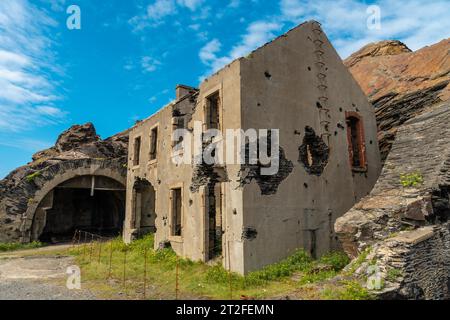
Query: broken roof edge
{"points": [[301, 25], [170, 104], [197, 90]]}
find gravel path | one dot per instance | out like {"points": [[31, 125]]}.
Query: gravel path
{"points": [[37, 278]]}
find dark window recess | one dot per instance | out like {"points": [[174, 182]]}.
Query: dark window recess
{"points": [[176, 199], [212, 111], [137, 151], [215, 220], [154, 143], [356, 141]]}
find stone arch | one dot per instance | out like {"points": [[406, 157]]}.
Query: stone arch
{"points": [[53, 176]]}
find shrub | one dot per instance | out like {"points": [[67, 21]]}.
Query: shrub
{"points": [[337, 260], [411, 179]]}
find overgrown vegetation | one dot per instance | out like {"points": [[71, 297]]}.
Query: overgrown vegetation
{"points": [[393, 274], [31, 177], [349, 290], [5, 247], [359, 261], [196, 279], [411, 179]]}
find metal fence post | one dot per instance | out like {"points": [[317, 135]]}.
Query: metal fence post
{"points": [[99, 250], [125, 267], [176, 278], [110, 260], [145, 273], [229, 270], [92, 248]]}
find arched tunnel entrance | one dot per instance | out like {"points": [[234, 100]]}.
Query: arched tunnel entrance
{"points": [[89, 203]]}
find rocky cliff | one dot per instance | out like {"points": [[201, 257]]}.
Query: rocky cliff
{"points": [[400, 231], [78, 149], [400, 83]]}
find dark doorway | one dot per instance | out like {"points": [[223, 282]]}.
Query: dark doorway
{"points": [[214, 209], [72, 206]]}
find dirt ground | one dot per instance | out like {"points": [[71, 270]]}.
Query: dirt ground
{"points": [[34, 275]]}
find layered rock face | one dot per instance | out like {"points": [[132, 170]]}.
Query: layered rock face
{"points": [[401, 83], [77, 149], [404, 223]]}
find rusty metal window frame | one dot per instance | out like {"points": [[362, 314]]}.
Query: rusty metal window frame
{"points": [[361, 147]]}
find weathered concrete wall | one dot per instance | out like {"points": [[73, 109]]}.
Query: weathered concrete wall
{"points": [[164, 174], [283, 84]]}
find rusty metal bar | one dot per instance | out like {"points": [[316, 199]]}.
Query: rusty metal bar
{"points": [[177, 272], [74, 239], [145, 273], [229, 270], [125, 267], [84, 245], [92, 248], [110, 260], [79, 241], [100, 251]]}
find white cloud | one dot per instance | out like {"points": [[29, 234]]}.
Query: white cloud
{"points": [[57, 5], [27, 144], [208, 52], [234, 3], [161, 9], [195, 26], [191, 4], [26, 63], [158, 10], [291, 8], [417, 23], [258, 33], [149, 64]]}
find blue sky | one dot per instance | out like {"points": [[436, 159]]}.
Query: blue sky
{"points": [[125, 61]]}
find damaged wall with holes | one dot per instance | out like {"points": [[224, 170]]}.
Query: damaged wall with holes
{"points": [[299, 85], [296, 83], [404, 221], [210, 225]]}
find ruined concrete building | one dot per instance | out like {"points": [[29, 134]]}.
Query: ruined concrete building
{"points": [[329, 158]]}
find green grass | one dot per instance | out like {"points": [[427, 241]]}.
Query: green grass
{"points": [[195, 279], [6, 247], [349, 290], [359, 261]]}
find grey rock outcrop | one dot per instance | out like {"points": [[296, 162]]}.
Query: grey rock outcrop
{"points": [[78, 148], [404, 220]]}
